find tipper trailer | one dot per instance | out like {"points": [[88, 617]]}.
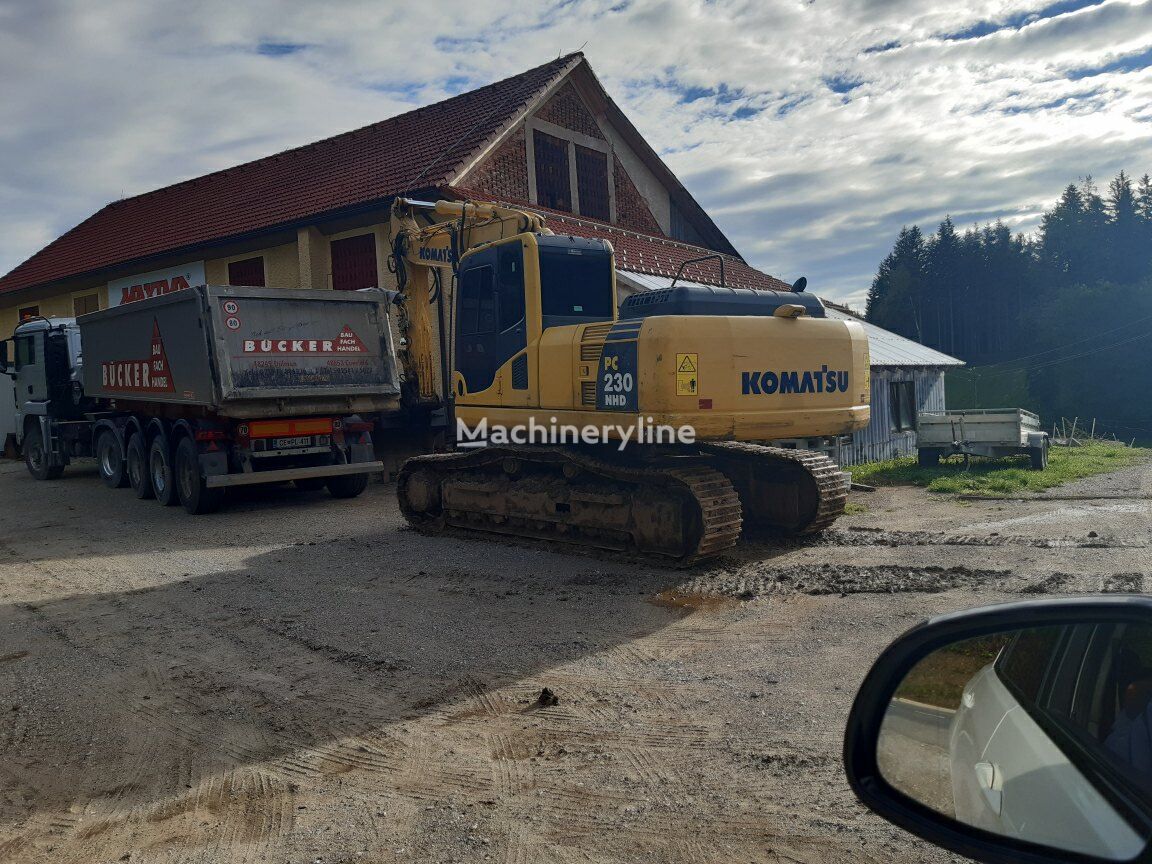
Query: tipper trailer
{"points": [[184, 395]]}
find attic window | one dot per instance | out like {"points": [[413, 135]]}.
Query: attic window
{"points": [[592, 183], [553, 183]]}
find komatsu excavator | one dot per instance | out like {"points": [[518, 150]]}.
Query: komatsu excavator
{"points": [[686, 378]]}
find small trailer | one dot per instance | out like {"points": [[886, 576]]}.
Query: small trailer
{"points": [[991, 432], [184, 395]]}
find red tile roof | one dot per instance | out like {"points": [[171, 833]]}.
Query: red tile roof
{"points": [[644, 253], [422, 149]]}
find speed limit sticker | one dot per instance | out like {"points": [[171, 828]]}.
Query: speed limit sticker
{"points": [[231, 307], [232, 322]]}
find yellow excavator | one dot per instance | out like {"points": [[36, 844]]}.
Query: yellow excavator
{"points": [[629, 428]]}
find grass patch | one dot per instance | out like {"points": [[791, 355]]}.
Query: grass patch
{"points": [[940, 678], [1001, 476], [854, 509]]}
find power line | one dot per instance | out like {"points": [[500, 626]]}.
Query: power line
{"points": [[1037, 366], [1091, 338]]}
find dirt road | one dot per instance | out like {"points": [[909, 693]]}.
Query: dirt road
{"points": [[298, 679]]}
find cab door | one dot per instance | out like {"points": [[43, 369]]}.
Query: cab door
{"points": [[490, 323]]}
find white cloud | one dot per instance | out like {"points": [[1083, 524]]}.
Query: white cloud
{"points": [[111, 99]]}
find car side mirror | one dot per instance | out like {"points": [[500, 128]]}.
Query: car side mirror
{"points": [[1014, 733], [5, 368]]}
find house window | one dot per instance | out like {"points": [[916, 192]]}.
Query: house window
{"points": [[682, 229], [592, 182], [248, 273], [354, 263], [29, 312], [85, 304], [553, 182], [902, 395]]}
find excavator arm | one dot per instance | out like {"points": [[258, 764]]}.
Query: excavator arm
{"points": [[428, 241]]}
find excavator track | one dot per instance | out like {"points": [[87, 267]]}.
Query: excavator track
{"points": [[792, 492], [679, 509]]}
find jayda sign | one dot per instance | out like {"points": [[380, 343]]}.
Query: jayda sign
{"points": [[130, 289]]}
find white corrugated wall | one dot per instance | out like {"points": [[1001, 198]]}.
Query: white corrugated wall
{"points": [[879, 441]]}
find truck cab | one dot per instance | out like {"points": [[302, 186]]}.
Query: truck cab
{"points": [[46, 371]]}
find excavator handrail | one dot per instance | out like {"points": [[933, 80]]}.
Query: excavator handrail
{"points": [[683, 264]]}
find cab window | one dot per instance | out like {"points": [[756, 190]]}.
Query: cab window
{"points": [[576, 285], [477, 302], [25, 351]]}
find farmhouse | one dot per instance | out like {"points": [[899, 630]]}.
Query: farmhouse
{"points": [[316, 216]]}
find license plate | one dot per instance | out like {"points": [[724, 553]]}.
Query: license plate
{"points": [[286, 443]]}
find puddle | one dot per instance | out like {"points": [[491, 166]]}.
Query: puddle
{"points": [[693, 602]]}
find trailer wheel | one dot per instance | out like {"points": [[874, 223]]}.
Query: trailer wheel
{"points": [[928, 457], [160, 472], [36, 455], [136, 466], [191, 485], [347, 486], [1039, 457], [110, 459]]}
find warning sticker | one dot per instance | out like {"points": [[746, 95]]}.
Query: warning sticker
{"points": [[687, 374]]}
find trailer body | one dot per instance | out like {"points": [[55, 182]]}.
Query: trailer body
{"points": [[994, 432], [244, 352], [185, 394]]}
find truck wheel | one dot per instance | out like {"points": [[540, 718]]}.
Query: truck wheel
{"points": [[160, 472], [929, 457], [110, 460], [347, 486], [1039, 457], [191, 485], [136, 466], [36, 456], [310, 484]]}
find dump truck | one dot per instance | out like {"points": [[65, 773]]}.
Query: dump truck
{"points": [[185, 395]]}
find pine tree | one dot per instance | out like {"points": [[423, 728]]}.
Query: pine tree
{"points": [[1126, 259], [895, 298]]}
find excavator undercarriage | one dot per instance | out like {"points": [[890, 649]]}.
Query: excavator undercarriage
{"points": [[680, 506]]}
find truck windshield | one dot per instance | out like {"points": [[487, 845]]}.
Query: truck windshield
{"points": [[575, 286]]}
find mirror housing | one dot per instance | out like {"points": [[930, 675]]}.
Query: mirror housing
{"points": [[5, 367], [862, 745]]}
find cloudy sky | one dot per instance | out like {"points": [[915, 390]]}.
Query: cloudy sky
{"points": [[810, 129]]}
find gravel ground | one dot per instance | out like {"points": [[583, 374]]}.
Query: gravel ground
{"points": [[298, 679]]}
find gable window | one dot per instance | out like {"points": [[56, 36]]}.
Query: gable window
{"points": [[592, 183], [902, 395], [354, 263], [553, 181], [85, 304], [29, 312], [248, 273]]}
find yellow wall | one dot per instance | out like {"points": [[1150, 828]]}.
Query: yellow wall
{"points": [[281, 266], [305, 263]]}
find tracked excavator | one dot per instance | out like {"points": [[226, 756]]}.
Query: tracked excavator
{"points": [[536, 361]]}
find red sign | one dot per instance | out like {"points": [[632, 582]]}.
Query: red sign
{"points": [[132, 293], [346, 343], [140, 376]]}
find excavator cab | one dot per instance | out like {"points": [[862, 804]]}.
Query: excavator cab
{"points": [[510, 291]]}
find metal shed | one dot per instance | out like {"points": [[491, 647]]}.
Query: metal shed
{"points": [[907, 379]]}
